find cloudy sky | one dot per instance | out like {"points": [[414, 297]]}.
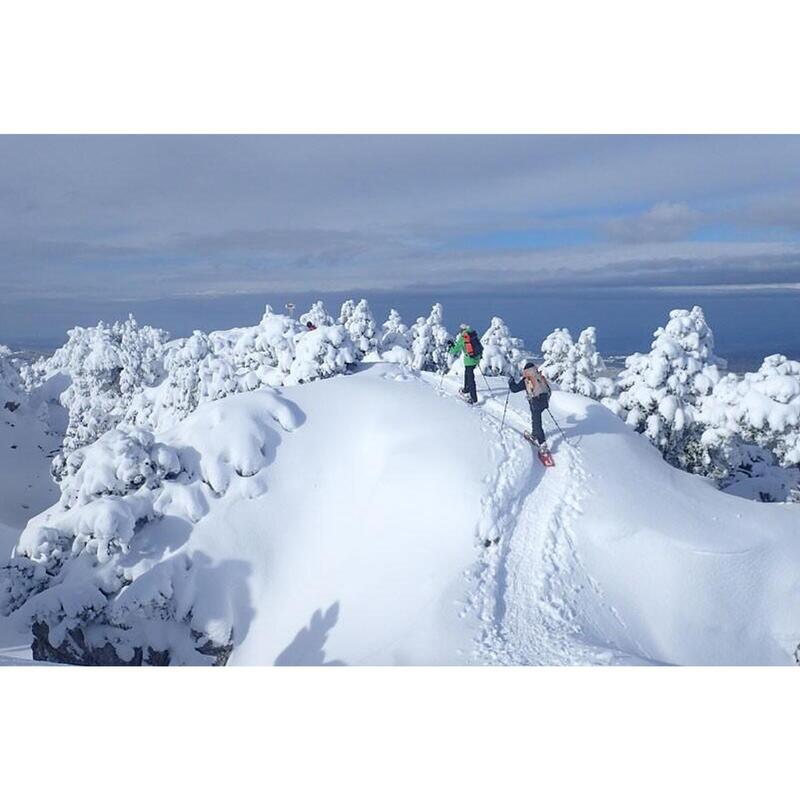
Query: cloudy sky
{"points": [[142, 217]]}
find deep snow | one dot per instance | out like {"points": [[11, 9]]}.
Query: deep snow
{"points": [[354, 535]]}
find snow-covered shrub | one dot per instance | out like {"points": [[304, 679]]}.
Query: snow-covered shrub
{"points": [[755, 420], [262, 355], [429, 340], [660, 391], [503, 354], [316, 315], [576, 366], [195, 374], [88, 576], [321, 353], [395, 333], [359, 323], [108, 366]]}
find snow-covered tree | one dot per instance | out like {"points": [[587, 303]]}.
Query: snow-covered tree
{"points": [[108, 366], [88, 596], [576, 366], [752, 429], [360, 326], [395, 333], [321, 354], [660, 391], [556, 349], [503, 354], [346, 311], [429, 340], [195, 374], [316, 315], [262, 354]]}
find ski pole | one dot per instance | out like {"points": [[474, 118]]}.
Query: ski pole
{"points": [[508, 394]]}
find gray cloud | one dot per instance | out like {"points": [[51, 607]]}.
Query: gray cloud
{"points": [[169, 216]]}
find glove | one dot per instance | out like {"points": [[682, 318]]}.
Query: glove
{"points": [[510, 383], [449, 342]]}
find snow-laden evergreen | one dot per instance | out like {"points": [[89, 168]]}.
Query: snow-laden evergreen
{"points": [[660, 391], [108, 366], [317, 315], [277, 352], [503, 354], [395, 332], [357, 320], [751, 436], [429, 337], [576, 366], [556, 350], [88, 592]]}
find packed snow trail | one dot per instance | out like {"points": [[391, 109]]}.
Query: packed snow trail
{"points": [[529, 581]]}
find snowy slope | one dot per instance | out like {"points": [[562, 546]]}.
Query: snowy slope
{"points": [[343, 521]]}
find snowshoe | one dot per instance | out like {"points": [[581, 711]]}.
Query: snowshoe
{"points": [[542, 451]]}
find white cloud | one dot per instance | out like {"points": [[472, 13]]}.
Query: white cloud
{"points": [[664, 222]]}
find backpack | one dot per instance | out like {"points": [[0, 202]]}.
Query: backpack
{"points": [[535, 383], [472, 344]]}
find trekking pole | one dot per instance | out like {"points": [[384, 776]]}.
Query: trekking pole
{"points": [[503, 422], [488, 390], [555, 422]]}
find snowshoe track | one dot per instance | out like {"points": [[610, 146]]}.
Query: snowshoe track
{"points": [[528, 585]]}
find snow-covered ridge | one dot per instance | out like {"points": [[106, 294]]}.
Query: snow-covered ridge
{"points": [[199, 476], [344, 521]]}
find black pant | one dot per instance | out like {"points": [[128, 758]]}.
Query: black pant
{"points": [[469, 383], [538, 405]]}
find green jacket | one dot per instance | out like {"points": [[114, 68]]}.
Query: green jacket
{"points": [[458, 348]]}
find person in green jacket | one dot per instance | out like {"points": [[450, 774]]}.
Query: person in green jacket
{"points": [[468, 343]]}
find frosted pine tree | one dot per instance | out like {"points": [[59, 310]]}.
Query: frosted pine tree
{"points": [[556, 350], [348, 307], [502, 353], [360, 326], [751, 431], [195, 374], [316, 315], [429, 339], [322, 353], [395, 333], [262, 354], [660, 391], [109, 366]]}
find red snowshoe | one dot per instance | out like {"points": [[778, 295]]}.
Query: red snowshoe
{"points": [[542, 451]]}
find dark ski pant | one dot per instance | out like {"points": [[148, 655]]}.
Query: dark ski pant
{"points": [[469, 383], [538, 405]]}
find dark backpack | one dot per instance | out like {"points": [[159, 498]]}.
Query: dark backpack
{"points": [[472, 344]]}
